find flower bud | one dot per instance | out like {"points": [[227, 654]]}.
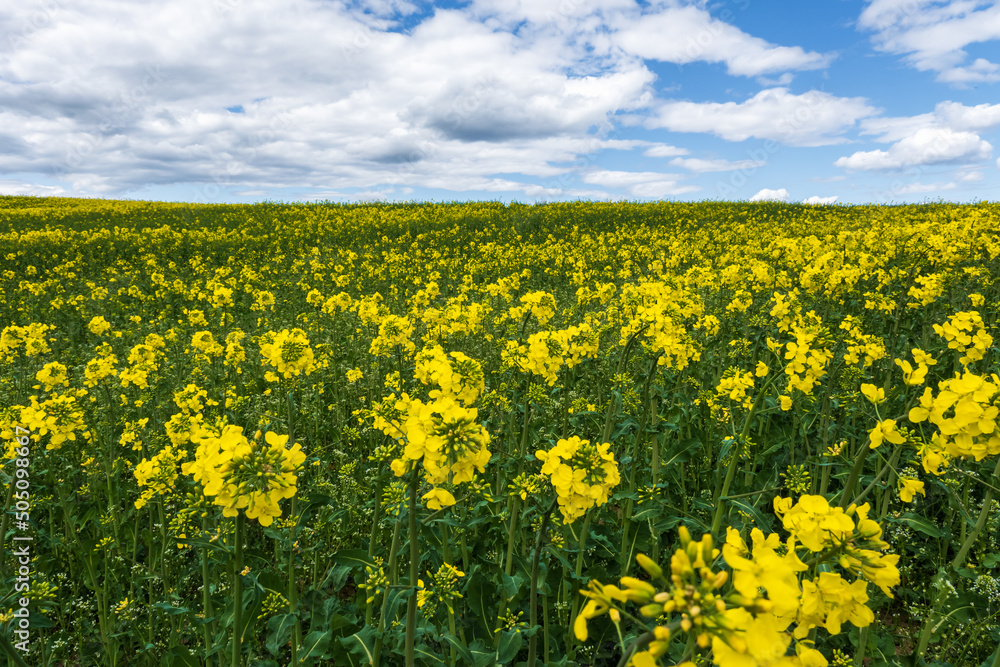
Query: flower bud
{"points": [[651, 610], [651, 568]]}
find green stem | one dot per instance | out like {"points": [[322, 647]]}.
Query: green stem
{"points": [[206, 598], [411, 610], [655, 463], [584, 532], [293, 588], [98, 591], [626, 528], [606, 434], [533, 595], [14, 656], [393, 567], [3, 528], [984, 514], [238, 593], [724, 491], [376, 515]]}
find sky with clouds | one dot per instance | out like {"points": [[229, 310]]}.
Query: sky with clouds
{"points": [[846, 101]]}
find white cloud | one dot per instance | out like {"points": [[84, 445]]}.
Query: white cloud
{"points": [[916, 188], [814, 118], [815, 199], [932, 35], [969, 176], [701, 166], [664, 150], [659, 189], [618, 179], [640, 183], [927, 146], [20, 188], [947, 115], [781, 194], [686, 34], [254, 97]]}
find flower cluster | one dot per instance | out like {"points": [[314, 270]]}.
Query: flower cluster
{"points": [[158, 474], [289, 353], [806, 357], [443, 589], [548, 352], [540, 304], [32, 337], [245, 474], [966, 333], [52, 375], [965, 411], [60, 417], [775, 599], [582, 473], [734, 385], [442, 434], [392, 331]]}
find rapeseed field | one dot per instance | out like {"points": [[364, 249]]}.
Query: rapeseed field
{"points": [[731, 434]]}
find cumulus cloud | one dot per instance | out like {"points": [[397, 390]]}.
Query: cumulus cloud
{"points": [[781, 194], [932, 35], [640, 183], [815, 199], [917, 188], [969, 176], [317, 95], [926, 146], [20, 188], [701, 166], [686, 34], [814, 118], [664, 150]]}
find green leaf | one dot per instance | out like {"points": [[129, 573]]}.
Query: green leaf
{"points": [[917, 522], [278, 630], [179, 657], [470, 656], [509, 586], [314, 645], [361, 644], [171, 609], [482, 655], [352, 558], [510, 644], [479, 603]]}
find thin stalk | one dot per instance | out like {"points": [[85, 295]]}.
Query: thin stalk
{"points": [[293, 588], [724, 491], [393, 567], [206, 598], [369, 606], [627, 514], [584, 532], [411, 610], [3, 528], [984, 514], [533, 595], [238, 592], [655, 464], [12, 654]]}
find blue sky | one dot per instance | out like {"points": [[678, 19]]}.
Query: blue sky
{"points": [[846, 101]]}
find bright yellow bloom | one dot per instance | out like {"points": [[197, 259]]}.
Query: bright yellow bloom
{"points": [[908, 487], [885, 430]]}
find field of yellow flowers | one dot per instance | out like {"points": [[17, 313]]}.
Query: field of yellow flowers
{"points": [[478, 434]]}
